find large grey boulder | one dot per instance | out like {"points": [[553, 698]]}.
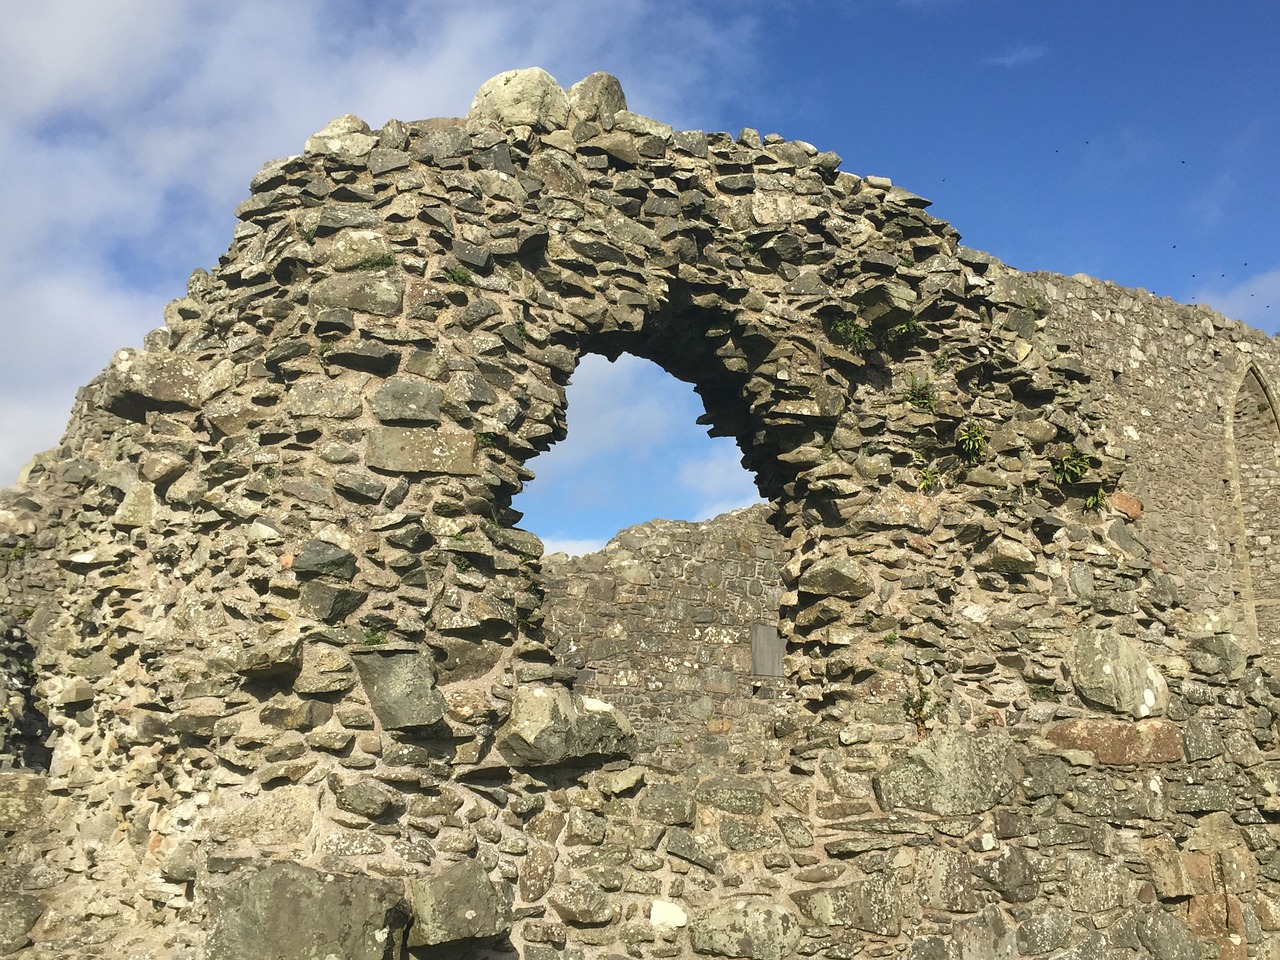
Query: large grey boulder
{"points": [[597, 97], [286, 911], [458, 903], [1110, 671], [550, 725], [401, 688], [746, 928], [522, 98], [953, 772]]}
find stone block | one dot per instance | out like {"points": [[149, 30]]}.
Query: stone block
{"points": [[290, 912], [400, 685], [457, 903], [1110, 670], [748, 929], [952, 772], [399, 449]]}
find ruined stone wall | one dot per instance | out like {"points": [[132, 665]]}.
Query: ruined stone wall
{"points": [[1190, 404], [660, 623], [295, 658]]}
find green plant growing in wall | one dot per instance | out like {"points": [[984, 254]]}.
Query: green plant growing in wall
{"points": [[918, 708], [848, 332], [921, 393], [379, 262], [458, 275], [889, 639], [971, 440], [931, 478], [374, 638], [904, 332], [18, 551], [1096, 500], [1070, 467]]}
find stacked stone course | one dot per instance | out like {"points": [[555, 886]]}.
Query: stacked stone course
{"points": [[294, 655]]}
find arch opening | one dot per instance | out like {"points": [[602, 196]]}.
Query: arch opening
{"points": [[676, 621], [1255, 433], [633, 452]]}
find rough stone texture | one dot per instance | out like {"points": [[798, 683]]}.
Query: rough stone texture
{"points": [[745, 928], [289, 912], [266, 619], [458, 903]]}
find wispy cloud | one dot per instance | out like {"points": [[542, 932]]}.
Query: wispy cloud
{"points": [[718, 482], [574, 548], [140, 122], [1256, 300], [1018, 56]]}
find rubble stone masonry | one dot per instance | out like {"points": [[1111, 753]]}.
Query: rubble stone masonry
{"points": [[994, 674]]}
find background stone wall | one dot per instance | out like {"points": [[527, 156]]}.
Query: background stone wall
{"points": [[659, 624], [291, 650]]}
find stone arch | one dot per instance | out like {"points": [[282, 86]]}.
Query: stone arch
{"points": [[298, 556], [1255, 439]]}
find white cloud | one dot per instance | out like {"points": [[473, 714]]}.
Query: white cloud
{"points": [[129, 131], [1256, 300], [574, 548], [718, 481], [1018, 56]]}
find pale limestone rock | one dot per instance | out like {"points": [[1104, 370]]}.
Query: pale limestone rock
{"points": [[529, 98]]}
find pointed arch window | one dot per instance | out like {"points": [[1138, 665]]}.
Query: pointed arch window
{"points": [[1256, 437]]}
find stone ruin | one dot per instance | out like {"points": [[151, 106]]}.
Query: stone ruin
{"points": [[993, 675]]}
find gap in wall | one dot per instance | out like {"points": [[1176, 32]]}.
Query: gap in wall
{"points": [[634, 452]]}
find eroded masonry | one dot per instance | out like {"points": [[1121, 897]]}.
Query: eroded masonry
{"points": [[994, 674]]}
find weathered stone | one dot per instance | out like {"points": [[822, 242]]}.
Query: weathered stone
{"points": [[19, 915], [693, 848], [746, 928], [457, 903], [408, 400], [422, 450], [581, 902], [548, 725], [316, 557], [597, 97], [1113, 741], [373, 293], [1044, 933], [368, 798], [873, 905], [747, 835], [321, 398], [346, 138], [952, 772], [836, 577], [136, 381], [328, 602], [529, 98], [736, 795], [667, 803], [1166, 936], [1110, 671], [400, 685], [328, 913]]}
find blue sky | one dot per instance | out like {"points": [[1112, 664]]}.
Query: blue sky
{"points": [[1136, 142]]}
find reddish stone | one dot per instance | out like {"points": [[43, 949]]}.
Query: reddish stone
{"points": [[1127, 504], [1120, 742]]}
